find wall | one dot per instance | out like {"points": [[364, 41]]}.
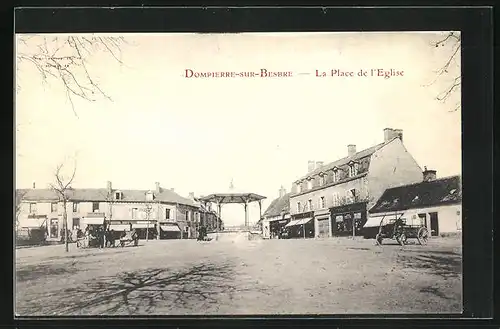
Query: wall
{"points": [[391, 166], [360, 184]]}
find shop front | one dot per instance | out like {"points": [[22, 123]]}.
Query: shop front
{"points": [[301, 225], [145, 230], [322, 221], [343, 218], [277, 227], [169, 231]]}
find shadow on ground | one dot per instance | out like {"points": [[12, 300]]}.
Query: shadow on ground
{"points": [[444, 264], [151, 291], [34, 272]]}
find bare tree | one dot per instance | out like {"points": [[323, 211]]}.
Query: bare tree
{"points": [[62, 186], [66, 59], [19, 198], [148, 210], [452, 40]]}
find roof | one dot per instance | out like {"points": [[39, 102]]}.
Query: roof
{"points": [[232, 197], [437, 192], [341, 162], [100, 194], [278, 206]]}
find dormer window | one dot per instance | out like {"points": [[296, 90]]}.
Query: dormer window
{"points": [[321, 179], [150, 196], [118, 195], [309, 183], [336, 174], [353, 169]]}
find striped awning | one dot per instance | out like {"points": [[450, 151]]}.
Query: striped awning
{"points": [[142, 225], [293, 223], [304, 221]]}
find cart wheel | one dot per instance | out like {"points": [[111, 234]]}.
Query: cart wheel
{"points": [[401, 239], [378, 239], [423, 236]]}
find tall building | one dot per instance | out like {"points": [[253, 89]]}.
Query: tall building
{"points": [[333, 199]]}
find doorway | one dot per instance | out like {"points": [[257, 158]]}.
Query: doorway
{"points": [[433, 216]]}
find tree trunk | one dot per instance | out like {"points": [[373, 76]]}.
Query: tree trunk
{"points": [[65, 220]]}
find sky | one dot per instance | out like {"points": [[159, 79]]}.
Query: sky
{"points": [[198, 134]]}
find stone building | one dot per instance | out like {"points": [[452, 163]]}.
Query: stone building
{"points": [[330, 199]]}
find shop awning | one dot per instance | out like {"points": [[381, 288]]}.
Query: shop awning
{"points": [[304, 221], [293, 222], [141, 225], [93, 220], [373, 222], [170, 228], [119, 227]]}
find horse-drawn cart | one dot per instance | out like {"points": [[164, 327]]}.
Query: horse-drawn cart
{"points": [[398, 229], [129, 239]]}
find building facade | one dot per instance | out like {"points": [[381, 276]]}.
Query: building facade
{"points": [[156, 213], [333, 199], [433, 203], [276, 216]]}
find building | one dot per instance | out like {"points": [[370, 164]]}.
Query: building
{"points": [[209, 217], [276, 216], [330, 199], [160, 212], [434, 203]]}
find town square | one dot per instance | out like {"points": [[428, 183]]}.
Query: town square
{"points": [[144, 190]]}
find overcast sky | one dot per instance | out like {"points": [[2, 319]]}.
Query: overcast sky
{"points": [[195, 135]]}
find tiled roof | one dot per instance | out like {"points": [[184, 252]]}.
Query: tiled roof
{"points": [[278, 206], [441, 191], [100, 194], [341, 162]]}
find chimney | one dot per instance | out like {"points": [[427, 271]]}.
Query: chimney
{"points": [[388, 134], [33, 184], [172, 189], [351, 150], [282, 191], [310, 166], [191, 195], [157, 187], [319, 164], [429, 175], [109, 186], [398, 133]]}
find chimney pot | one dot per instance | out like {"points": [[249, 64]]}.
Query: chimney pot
{"points": [[109, 186], [351, 150], [172, 189], [191, 195], [33, 184], [157, 188], [310, 166], [319, 164], [429, 175], [388, 134], [282, 191], [398, 133]]}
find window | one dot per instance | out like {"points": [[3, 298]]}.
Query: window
{"points": [[167, 213], [187, 215], [298, 207], [299, 187], [33, 208], [186, 229], [336, 175], [76, 223], [309, 205], [118, 195], [150, 196], [95, 206], [321, 180], [76, 206], [134, 213], [353, 169], [322, 202], [53, 207], [309, 184], [351, 195], [335, 199]]}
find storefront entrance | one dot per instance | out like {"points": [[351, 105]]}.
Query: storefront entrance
{"points": [[345, 218], [277, 228]]}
